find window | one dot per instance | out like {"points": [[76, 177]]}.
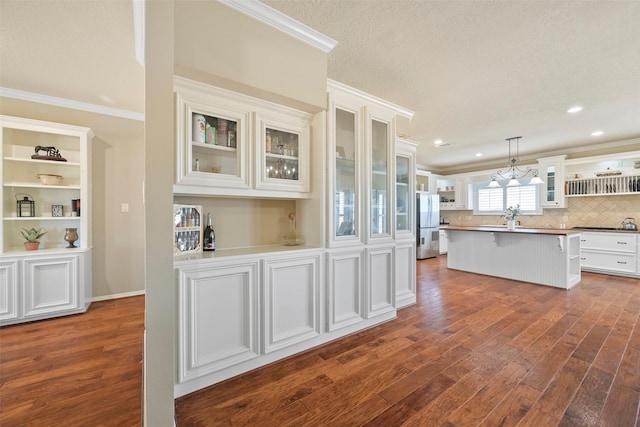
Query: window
{"points": [[493, 201]]}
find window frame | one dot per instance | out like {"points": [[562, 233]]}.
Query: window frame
{"points": [[478, 186]]}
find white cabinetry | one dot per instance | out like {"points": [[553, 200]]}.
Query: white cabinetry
{"points": [[54, 280], [218, 312], [405, 249], [613, 253], [9, 290], [292, 297], [551, 171], [443, 242], [363, 188], [454, 193], [229, 144], [345, 284]]}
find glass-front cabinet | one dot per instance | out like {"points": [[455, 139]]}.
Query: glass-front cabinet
{"points": [[405, 167], [230, 144], [551, 170], [379, 149], [212, 139], [346, 191], [344, 178], [283, 142]]}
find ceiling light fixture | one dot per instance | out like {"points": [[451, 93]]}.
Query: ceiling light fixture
{"points": [[597, 133], [439, 143], [478, 154], [513, 173], [574, 109]]}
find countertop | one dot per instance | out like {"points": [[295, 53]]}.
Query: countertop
{"points": [[521, 230]]}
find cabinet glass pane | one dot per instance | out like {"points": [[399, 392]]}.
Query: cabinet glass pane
{"points": [[551, 183], [281, 154], [402, 193], [379, 190], [214, 144], [345, 191]]}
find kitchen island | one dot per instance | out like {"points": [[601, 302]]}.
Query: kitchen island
{"points": [[543, 256]]}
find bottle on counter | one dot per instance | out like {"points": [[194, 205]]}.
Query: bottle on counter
{"points": [[209, 235]]}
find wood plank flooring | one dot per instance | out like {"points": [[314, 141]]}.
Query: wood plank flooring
{"points": [[81, 370], [474, 351]]}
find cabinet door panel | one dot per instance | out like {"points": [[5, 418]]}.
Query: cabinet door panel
{"points": [[405, 274], [291, 302], [380, 282], [50, 285], [217, 318], [8, 290], [345, 285]]}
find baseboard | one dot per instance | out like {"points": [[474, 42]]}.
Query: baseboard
{"points": [[116, 296]]}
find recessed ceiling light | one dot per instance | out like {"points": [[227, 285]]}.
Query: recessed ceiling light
{"points": [[478, 154], [597, 133], [439, 143], [574, 109]]}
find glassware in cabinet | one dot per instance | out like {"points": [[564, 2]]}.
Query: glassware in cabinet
{"points": [[187, 229], [379, 178], [282, 158]]}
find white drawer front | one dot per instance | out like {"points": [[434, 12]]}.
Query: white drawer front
{"points": [[621, 242], [609, 261]]}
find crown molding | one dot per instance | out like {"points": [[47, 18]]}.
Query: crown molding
{"points": [[70, 103], [278, 20], [401, 111]]}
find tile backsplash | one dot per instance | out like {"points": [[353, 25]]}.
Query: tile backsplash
{"points": [[596, 211]]}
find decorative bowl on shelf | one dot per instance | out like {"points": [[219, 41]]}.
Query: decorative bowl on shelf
{"points": [[49, 179]]}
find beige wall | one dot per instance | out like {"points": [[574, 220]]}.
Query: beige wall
{"points": [[596, 211], [220, 46]]}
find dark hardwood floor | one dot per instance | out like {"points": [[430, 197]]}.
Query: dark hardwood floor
{"points": [[82, 370], [474, 350]]}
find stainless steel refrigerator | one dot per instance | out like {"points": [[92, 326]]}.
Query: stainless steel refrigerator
{"points": [[428, 225]]}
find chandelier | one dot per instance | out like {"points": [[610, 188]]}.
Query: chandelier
{"points": [[513, 173]]}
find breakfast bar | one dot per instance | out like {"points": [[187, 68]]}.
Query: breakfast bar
{"points": [[548, 257]]}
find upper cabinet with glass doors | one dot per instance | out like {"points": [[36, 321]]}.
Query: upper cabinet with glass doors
{"points": [[405, 190], [231, 144], [283, 141], [380, 167], [361, 161], [212, 131]]}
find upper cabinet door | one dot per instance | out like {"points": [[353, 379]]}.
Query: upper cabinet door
{"points": [[551, 170], [282, 158], [380, 167], [344, 178], [212, 141], [405, 190]]}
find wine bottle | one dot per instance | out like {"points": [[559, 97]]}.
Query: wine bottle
{"points": [[209, 236]]}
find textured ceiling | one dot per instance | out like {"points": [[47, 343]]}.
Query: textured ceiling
{"points": [[478, 72], [474, 72]]}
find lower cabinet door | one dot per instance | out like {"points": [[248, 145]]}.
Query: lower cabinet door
{"points": [[9, 290], [50, 285], [380, 289], [405, 271], [345, 288], [291, 301], [217, 317]]}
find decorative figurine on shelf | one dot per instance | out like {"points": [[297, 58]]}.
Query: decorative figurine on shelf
{"points": [[71, 236], [32, 237], [52, 154]]}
